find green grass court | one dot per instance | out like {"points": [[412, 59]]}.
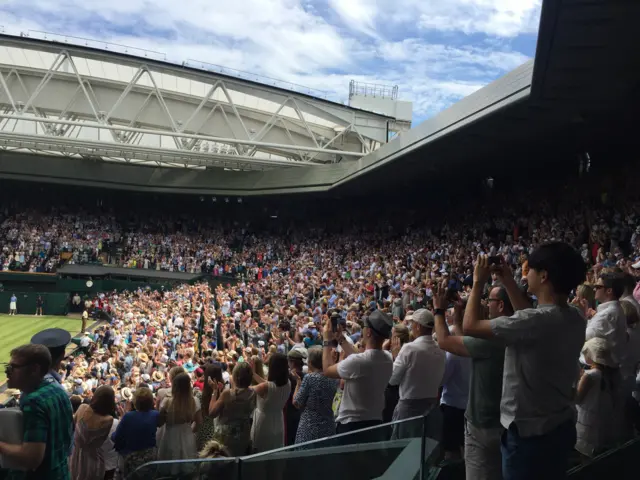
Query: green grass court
{"points": [[18, 330]]}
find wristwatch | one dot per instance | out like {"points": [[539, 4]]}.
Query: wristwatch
{"points": [[439, 311], [327, 343]]}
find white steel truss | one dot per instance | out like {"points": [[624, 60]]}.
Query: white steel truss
{"points": [[76, 102]]}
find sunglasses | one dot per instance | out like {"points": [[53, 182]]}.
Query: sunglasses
{"points": [[10, 367]]}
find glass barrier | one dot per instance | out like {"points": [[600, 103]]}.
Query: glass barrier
{"points": [[200, 469], [390, 451], [406, 449]]}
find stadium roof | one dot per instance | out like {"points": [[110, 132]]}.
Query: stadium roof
{"points": [[582, 85]]}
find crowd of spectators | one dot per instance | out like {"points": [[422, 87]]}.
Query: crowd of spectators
{"points": [[497, 321], [37, 242]]}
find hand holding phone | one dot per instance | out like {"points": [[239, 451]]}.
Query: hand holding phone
{"points": [[495, 260]]}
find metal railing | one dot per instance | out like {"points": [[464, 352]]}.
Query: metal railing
{"points": [[372, 90], [253, 77], [99, 44], [403, 449], [161, 56]]}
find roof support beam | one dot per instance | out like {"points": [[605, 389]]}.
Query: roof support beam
{"points": [[207, 138]]}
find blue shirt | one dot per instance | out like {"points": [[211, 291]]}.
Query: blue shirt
{"points": [[455, 381], [13, 299], [136, 431]]}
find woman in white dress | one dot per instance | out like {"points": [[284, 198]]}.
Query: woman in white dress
{"points": [[267, 431], [181, 416]]}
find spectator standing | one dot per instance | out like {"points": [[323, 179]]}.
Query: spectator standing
{"points": [[598, 399], [233, 408], [418, 369], [627, 294], [135, 435], [177, 414], [46, 417], [365, 375], [453, 403], [314, 395], [207, 429], [482, 429], [392, 392], [85, 343], [93, 424], [295, 358], [610, 322], [109, 453], [267, 431], [540, 369]]}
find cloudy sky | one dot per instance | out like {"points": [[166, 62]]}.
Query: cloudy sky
{"points": [[436, 51]]}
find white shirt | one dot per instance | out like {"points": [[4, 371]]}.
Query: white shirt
{"points": [[418, 369], [610, 323], [366, 377]]}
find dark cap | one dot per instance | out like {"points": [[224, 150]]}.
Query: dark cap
{"points": [[380, 323], [52, 338]]}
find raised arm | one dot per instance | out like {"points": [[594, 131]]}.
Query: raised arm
{"points": [[446, 341], [473, 324]]}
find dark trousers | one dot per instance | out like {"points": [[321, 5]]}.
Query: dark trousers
{"points": [[540, 457], [368, 436]]}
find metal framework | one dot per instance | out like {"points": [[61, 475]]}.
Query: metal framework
{"points": [[80, 102]]}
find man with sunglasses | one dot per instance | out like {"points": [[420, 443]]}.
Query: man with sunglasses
{"points": [[610, 322], [46, 417], [482, 429]]}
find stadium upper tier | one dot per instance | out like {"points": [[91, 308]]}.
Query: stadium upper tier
{"points": [[143, 115]]}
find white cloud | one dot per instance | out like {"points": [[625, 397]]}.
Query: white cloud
{"points": [[358, 14], [505, 18], [300, 41]]}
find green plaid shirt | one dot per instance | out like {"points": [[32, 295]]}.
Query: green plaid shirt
{"points": [[47, 418]]}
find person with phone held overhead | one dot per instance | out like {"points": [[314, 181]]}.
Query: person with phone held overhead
{"points": [[366, 374], [482, 431], [540, 368]]}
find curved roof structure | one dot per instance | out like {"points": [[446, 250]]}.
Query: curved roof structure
{"points": [[586, 74], [79, 101]]}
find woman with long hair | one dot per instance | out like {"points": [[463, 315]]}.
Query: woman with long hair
{"points": [[232, 408], [93, 424], [178, 413], [267, 431], [212, 377]]}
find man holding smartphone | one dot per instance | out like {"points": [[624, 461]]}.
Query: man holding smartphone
{"points": [[366, 374], [541, 357]]}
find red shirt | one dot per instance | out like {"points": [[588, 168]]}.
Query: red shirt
{"points": [[198, 384]]}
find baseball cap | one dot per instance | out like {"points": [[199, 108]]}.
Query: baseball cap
{"points": [[380, 323], [423, 317]]}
